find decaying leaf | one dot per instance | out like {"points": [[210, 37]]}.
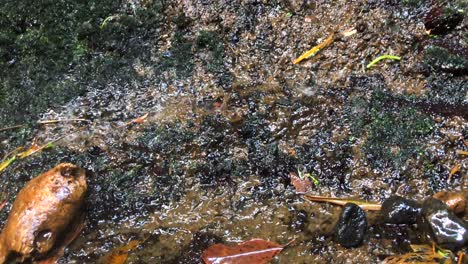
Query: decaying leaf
{"points": [[422, 254], [462, 152], [370, 206], [138, 120], [120, 255], [255, 251], [301, 185]]}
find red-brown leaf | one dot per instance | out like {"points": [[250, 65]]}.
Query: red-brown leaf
{"points": [[301, 185], [255, 251]]}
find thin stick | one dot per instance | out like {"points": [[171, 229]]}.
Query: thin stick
{"points": [[46, 122], [342, 201], [54, 121], [315, 49], [11, 127], [383, 57]]}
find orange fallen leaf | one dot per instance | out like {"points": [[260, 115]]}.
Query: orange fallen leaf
{"points": [[138, 120], [255, 251], [462, 152], [454, 170], [371, 206], [301, 185], [465, 143], [120, 255]]}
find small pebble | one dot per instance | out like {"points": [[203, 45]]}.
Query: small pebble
{"points": [[442, 225], [399, 210], [351, 227]]}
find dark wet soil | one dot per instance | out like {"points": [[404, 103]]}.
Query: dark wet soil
{"points": [[230, 116]]}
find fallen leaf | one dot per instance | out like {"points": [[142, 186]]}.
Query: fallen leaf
{"points": [[120, 255], [454, 170], [255, 251], [138, 120], [462, 152], [465, 143], [371, 206], [423, 254], [301, 185]]}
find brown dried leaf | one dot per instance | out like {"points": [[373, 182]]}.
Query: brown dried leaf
{"points": [[301, 185], [255, 251]]}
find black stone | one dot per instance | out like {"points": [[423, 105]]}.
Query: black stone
{"points": [[442, 225], [351, 227], [399, 210], [441, 21]]}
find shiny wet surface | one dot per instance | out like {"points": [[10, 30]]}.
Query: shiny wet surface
{"points": [[230, 116]]}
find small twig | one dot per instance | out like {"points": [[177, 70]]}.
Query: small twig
{"points": [[138, 120], [10, 127], [54, 121], [47, 145], [371, 206], [454, 170], [3, 203], [7, 163], [46, 122], [109, 18], [315, 49]]}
